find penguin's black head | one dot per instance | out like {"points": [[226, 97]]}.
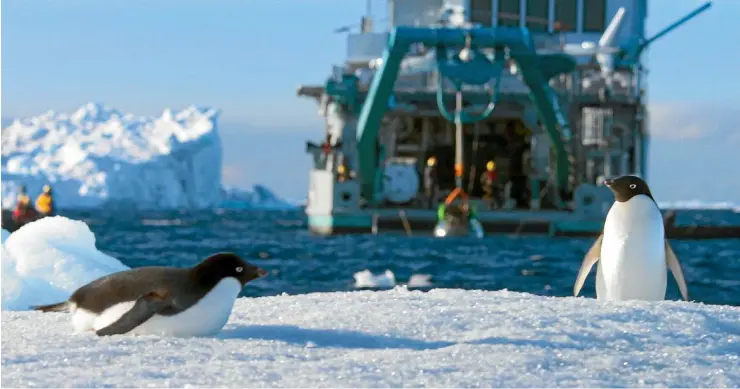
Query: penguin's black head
{"points": [[627, 187], [222, 265]]}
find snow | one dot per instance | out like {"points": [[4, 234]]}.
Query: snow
{"points": [[259, 198], [98, 156], [443, 338], [397, 337], [45, 261]]}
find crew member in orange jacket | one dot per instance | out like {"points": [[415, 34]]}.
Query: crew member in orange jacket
{"points": [[22, 205]]}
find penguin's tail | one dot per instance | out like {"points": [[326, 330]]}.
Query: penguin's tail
{"points": [[58, 307]]}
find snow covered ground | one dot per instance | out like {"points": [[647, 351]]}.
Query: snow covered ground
{"points": [[99, 156], [443, 338]]}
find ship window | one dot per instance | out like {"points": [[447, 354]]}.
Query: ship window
{"points": [[537, 14], [481, 11], [508, 13], [594, 15], [566, 15]]}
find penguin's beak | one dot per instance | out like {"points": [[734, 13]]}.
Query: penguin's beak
{"points": [[609, 182], [262, 272]]}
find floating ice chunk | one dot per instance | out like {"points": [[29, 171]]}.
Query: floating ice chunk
{"points": [[366, 279]]}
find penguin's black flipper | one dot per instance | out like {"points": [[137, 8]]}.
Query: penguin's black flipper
{"points": [[592, 256], [144, 308], [672, 261]]}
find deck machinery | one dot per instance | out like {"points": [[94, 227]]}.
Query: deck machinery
{"points": [[555, 112]]}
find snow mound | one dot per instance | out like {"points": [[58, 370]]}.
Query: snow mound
{"points": [[259, 198], [396, 338], [45, 261], [98, 156]]}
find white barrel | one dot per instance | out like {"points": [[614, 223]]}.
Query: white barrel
{"points": [[400, 182]]}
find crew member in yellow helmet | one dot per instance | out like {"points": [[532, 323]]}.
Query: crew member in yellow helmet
{"points": [[430, 181], [489, 180], [341, 173], [45, 202]]}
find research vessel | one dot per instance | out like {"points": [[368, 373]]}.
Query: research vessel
{"points": [[551, 95]]}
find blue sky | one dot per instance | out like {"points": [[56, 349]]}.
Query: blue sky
{"points": [[248, 57]]}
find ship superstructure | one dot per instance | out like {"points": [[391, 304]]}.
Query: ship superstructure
{"points": [[552, 91]]}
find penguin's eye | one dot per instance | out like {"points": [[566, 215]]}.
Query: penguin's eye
{"points": [[633, 186], [239, 269]]}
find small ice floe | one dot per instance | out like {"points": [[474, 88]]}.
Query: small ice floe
{"points": [[387, 280], [366, 279]]}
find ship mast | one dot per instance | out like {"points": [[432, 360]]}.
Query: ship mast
{"points": [[367, 20]]}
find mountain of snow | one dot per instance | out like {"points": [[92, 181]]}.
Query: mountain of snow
{"points": [[98, 156]]}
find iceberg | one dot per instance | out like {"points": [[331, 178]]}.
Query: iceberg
{"points": [[100, 157], [260, 198]]}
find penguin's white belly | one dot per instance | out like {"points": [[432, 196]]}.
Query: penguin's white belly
{"points": [[632, 264], [207, 317]]}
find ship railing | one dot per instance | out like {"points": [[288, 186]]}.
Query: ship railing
{"points": [[587, 84], [427, 82]]}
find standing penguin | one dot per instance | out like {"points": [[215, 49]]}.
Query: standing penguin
{"points": [[632, 248], [194, 301]]}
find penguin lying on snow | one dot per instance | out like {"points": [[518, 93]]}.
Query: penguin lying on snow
{"points": [[632, 248], [160, 300]]}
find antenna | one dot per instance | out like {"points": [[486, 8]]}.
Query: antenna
{"points": [[367, 20]]}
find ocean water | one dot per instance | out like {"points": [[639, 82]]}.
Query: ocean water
{"points": [[300, 262]]}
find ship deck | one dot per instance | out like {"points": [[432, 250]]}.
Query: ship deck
{"points": [[414, 221]]}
